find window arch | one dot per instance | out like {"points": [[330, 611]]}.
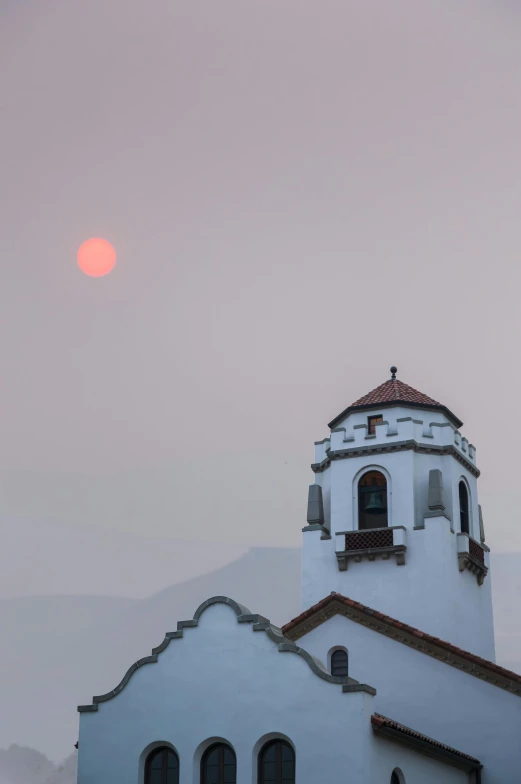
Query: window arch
{"points": [[464, 513], [397, 777], [219, 765], [372, 501], [162, 766], [276, 763], [339, 662]]}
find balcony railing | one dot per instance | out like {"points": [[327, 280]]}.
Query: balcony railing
{"points": [[371, 538], [471, 556], [371, 543]]}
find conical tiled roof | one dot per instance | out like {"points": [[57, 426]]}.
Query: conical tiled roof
{"points": [[394, 392]]}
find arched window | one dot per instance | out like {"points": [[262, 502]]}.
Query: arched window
{"points": [[218, 765], [372, 501], [277, 763], [162, 767], [397, 778], [464, 508], [339, 663]]}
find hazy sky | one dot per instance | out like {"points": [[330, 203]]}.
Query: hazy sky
{"points": [[300, 194]]}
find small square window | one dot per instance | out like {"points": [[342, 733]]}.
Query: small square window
{"points": [[371, 424]]}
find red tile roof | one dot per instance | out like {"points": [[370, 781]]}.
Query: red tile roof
{"points": [[395, 392], [481, 668], [381, 722]]}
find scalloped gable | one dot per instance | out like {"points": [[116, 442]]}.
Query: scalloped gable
{"points": [[243, 615], [394, 392]]}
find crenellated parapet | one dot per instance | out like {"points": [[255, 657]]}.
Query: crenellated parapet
{"points": [[390, 435]]}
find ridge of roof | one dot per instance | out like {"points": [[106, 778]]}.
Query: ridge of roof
{"points": [[422, 641], [380, 722], [395, 392]]}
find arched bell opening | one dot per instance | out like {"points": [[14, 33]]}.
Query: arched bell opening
{"points": [[464, 512], [372, 501]]}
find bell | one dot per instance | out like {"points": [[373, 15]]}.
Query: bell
{"points": [[374, 504]]}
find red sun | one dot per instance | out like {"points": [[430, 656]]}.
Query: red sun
{"points": [[96, 257]]}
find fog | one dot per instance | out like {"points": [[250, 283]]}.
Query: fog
{"points": [[299, 195]]}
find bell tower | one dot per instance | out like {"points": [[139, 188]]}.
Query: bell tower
{"points": [[393, 518]]}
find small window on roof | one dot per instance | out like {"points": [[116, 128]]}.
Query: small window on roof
{"points": [[339, 663], [371, 423]]}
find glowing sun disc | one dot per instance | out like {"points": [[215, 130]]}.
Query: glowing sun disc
{"points": [[96, 257]]}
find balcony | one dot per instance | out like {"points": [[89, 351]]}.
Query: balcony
{"points": [[371, 544], [471, 556]]}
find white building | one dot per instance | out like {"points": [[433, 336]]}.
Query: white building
{"points": [[388, 675]]}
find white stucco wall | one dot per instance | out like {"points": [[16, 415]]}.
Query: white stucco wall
{"points": [[434, 698], [429, 591], [415, 769], [224, 681]]}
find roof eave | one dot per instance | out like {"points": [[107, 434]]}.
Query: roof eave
{"points": [[391, 404], [465, 661], [425, 746]]}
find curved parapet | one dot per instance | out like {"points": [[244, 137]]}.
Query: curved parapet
{"points": [[243, 615]]}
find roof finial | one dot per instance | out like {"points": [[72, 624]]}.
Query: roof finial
{"points": [[394, 371]]}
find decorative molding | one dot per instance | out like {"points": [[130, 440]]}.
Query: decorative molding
{"points": [[392, 730], [243, 614], [471, 556], [371, 543], [396, 446], [481, 525], [349, 688], [317, 527], [315, 513], [436, 495], [436, 513], [371, 554], [466, 561], [396, 404], [449, 654]]}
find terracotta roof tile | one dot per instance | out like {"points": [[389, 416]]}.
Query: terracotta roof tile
{"points": [[378, 721], [395, 392], [291, 630], [391, 391]]}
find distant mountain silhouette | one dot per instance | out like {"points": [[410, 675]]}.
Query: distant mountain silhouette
{"points": [[59, 651]]}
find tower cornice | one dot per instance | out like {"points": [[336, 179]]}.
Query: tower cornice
{"points": [[395, 446]]}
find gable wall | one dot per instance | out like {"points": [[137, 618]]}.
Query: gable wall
{"points": [[433, 698], [223, 680], [415, 768]]}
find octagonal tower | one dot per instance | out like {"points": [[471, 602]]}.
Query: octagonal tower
{"points": [[394, 520]]}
